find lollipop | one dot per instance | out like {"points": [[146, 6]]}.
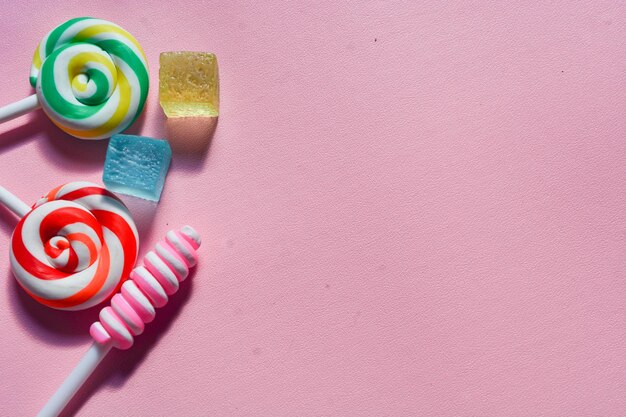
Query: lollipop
{"points": [[90, 77], [148, 287], [74, 247]]}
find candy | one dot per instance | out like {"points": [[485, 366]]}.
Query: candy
{"points": [[74, 248], [189, 84], [90, 77], [149, 287], [137, 166]]}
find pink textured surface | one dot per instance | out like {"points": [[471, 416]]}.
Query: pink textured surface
{"points": [[407, 209]]}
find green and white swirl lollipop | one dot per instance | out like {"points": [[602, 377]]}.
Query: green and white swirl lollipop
{"points": [[90, 78]]}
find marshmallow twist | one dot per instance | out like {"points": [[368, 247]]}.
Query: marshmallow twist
{"points": [[148, 287], [91, 77], [71, 251]]}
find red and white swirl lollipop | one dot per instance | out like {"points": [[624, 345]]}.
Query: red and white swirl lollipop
{"points": [[72, 250]]}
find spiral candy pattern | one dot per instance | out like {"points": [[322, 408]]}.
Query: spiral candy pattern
{"points": [[148, 287], [91, 77], [75, 246]]}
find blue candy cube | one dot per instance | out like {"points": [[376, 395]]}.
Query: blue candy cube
{"points": [[137, 166]]}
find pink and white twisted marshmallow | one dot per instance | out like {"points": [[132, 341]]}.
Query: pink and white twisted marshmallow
{"points": [[148, 287]]}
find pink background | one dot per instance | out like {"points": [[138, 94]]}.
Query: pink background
{"points": [[407, 209]]}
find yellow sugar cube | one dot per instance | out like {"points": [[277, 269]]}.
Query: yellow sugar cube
{"points": [[189, 84]]}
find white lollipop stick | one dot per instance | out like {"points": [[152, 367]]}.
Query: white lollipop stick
{"points": [[85, 367], [13, 203], [148, 287], [19, 108]]}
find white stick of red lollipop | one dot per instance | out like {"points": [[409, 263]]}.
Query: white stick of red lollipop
{"points": [[148, 287]]}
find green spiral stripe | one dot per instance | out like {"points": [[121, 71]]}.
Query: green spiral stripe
{"points": [[58, 32], [55, 100], [102, 88], [127, 55]]}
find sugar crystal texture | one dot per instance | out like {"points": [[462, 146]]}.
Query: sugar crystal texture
{"points": [[189, 84], [137, 166]]}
